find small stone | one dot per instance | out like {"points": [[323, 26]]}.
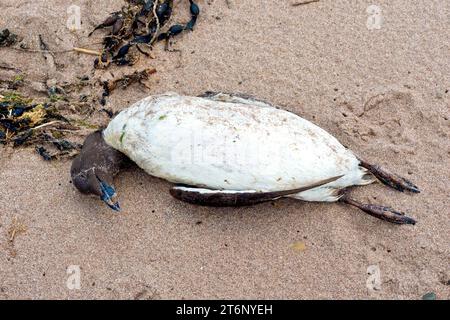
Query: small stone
{"points": [[299, 246], [429, 296]]}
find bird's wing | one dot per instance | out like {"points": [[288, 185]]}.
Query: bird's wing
{"points": [[232, 198]]}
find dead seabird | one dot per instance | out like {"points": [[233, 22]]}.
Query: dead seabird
{"points": [[228, 150]]}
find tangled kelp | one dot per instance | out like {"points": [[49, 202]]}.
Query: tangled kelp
{"points": [[23, 122], [132, 31], [140, 22]]}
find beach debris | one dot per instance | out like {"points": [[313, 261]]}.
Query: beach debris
{"points": [[7, 38], [139, 23], [128, 79], [115, 21], [125, 81], [429, 296], [17, 227], [23, 122], [295, 4], [43, 153], [87, 51]]}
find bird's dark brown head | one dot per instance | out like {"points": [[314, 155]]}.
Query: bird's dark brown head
{"points": [[94, 168]]}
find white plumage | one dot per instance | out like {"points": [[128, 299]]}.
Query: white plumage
{"points": [[231, 143]]}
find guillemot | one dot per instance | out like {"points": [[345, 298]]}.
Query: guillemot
{"points": [[224, 149]]}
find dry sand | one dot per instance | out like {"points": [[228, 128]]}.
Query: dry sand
{"points": [[383, 93]]}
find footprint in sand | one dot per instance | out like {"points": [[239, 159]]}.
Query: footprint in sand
{"points": [[391, 116]]}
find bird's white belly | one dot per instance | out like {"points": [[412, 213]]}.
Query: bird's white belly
{"points": [[231, 146]]}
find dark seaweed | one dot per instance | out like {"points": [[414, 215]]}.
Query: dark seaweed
{"points": [[7, 38], [108, 112], [137, 23], [22, 138], [19, 118], [43, 153]]}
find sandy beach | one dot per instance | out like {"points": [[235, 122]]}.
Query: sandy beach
{"points": [[383, 91]]}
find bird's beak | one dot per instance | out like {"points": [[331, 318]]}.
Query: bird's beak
{"points": [[109, 195]]}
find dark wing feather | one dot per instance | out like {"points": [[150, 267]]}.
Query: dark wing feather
{"points": [[221, 198]]}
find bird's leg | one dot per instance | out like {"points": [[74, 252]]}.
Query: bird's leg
{"points": [[390, 179], [380, 212]]}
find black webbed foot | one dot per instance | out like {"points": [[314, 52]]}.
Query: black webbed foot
{"points": [[392, 180], [380, 212]]}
